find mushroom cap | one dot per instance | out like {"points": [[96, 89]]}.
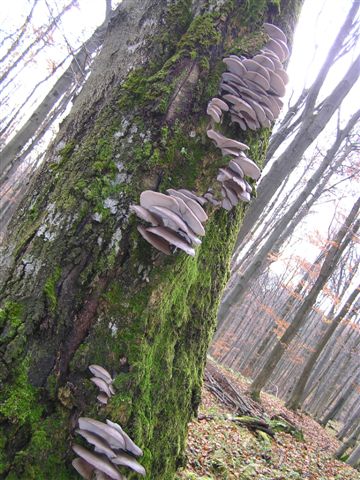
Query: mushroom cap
{"points": [[130, 446], [83, 468], [144, 214], [258, 79], [112, 436], [284, 47], [102, 476], [149, 198], [277, 85], [269, 102], [249, 167], [236, 168], [229, 88], [99, 462], [213, 114], [192, 204], [219, 103], [253, 66], [100, 444], [226, 204], [129, 461], [102, 385], [283, 75], [159, 243], [211, 199], [102, 398], [172, 238], [101, 372], [240, 121], [224, 142], [245, 196], [244, 91], [273, 57], [216, 108], [234, 187], [239, 104], [228, 77], [260, 114], [274, 32], [235, 65], [264, 61], [276, 48], [231, 195], [192, 195], [169, 218]]}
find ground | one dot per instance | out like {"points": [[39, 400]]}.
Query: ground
{"points": [[221, 450]]}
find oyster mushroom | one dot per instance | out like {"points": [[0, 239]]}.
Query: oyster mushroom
{"points": [[159, 243], [109, 434], [171, 237], [274, 32], [97, 461], [130, 446], [130, 462], [101, 372], [84, 468], [102, 385]]}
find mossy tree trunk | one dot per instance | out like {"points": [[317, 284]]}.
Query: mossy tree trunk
{"points": [[79, 285]]}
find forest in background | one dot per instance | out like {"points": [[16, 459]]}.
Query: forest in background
{"points": [[290, 322]]}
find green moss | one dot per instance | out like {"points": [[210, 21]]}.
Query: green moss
{"points": [[19, 402], [50, 288]]}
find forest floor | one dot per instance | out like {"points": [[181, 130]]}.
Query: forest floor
{"points": [[219, 449]]}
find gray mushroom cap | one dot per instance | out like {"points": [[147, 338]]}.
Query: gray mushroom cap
{"points": [[112, 436], [102, 385], [226, 204], [213, 114], [220, 103], [99, 462], [228, 193], [159, 243], [144, 214], [102, 398], [274, 32], [276, 48], [169, 218], [233, 78], [149, 198], [264, 61], [172, 238], [192, 195], [83, 468], [129, 461], [192, 204], [101, 372], [249, 167], [130, 446], [253, 66], [224, 142], [277, 85], [235, 65], [101, 446], [258, 79]]}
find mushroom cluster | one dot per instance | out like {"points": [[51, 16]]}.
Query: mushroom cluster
{"points": [[251, 88], [102, 379], [112, 448], [176, 219], [251, 91]]}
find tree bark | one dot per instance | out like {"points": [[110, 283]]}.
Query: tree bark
{"points": [[79, 286], [338, 245]]}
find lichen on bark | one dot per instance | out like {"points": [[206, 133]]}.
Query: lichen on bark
{"points": [[83, 287]]}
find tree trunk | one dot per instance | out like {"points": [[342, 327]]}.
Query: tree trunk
{"points": [[79, 286], [354, 459], [350, 442], [297, 396], [338, 245]]}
